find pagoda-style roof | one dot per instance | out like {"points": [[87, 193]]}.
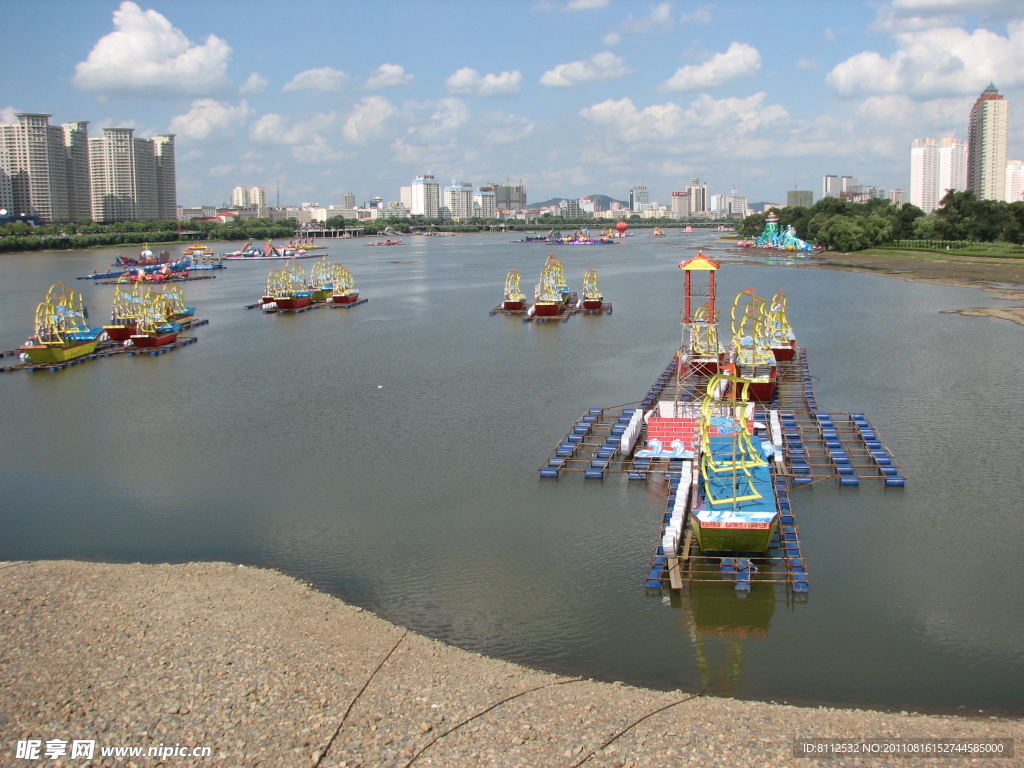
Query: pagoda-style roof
{"points": [[700, 261]]}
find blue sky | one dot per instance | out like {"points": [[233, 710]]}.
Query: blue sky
{"points": [[574, 97]]}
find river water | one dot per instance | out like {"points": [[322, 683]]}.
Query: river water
{"points": [[388, 454]]}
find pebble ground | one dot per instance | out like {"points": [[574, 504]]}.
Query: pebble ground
{"points": [[267, 672]]}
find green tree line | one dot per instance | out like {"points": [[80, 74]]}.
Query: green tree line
{"points": [[839, 225]]}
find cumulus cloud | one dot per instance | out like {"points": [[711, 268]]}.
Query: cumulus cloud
{"points": [[660, 122], [368, 119], [698, 16], [9, 115], [273, 128], [388, 76], [602, 66], [210, 121], [660, 17], [934, 63], [321, 79], [469, 82], [585, 5], [739, 61], [919, 15], [501, 129], [146, 56], [807, 64], [254, 85]]}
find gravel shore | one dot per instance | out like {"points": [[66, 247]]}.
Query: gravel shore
{"points": [[266, 671]]}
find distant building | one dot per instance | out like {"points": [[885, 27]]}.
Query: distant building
{"points": [[830, 186], [76, 146], [485, 204], [680, 208], [127, 174], [425, 197], [458, 199], [510, 196], [570, 209], [800, 198], [935, 169], [1014, 181], [986, 139], [36, 161], [898, 197], [638, 199], [348, 200], [698, 192]]}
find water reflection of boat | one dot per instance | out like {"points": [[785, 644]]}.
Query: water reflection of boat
{"points": [[62, 330], [720, 622]]}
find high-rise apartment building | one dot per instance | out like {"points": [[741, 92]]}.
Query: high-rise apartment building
{"points": [[698, 192], [426, 197], [924, 174], [830, 186], [936, 167], [258, 197], [458, 199], [485, 202], [132, 178], [800, 198], [37, 166], [348, 200], [510, 196], [6, 190], [1014, 181], [639, 200], [898, 197], [986, 139], [76, 146], [680, 208], [240, 197]]}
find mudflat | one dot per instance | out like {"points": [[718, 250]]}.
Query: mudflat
{"points": [[253, 668]]}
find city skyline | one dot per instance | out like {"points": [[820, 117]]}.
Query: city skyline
{"points": [[575, 97]]}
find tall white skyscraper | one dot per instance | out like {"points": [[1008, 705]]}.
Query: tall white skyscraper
{"points": [[458, 199], [680, 205], [830, 186], [132, 179], [698, 196], [936, 167], [986, 138], [240, 197], [426, 197], [924, 174], [37, 166], [76, 145], [1014, 181]]}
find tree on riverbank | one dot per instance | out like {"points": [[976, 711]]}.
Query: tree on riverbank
{"points": [[839, 225]]}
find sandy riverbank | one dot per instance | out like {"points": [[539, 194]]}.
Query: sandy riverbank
{"points": [[268, 672], [1003, 278]]}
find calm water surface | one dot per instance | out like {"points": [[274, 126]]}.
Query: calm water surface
{"points": [[388, 454]]}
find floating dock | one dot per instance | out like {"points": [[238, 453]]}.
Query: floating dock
{"points": [[271, 307], [571, 306], [104, 349], [810, 446]]}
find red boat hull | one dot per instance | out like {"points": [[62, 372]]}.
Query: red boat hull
{"points": [[784, 352], [154, 340], [513, 305], [119, 332], [546, 309], [350, 298], [592, 303], [293, 302]]}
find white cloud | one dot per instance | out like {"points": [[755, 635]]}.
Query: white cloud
{"points": [[273, 128], [368, 119], [660, 17], [469, 82], [807, 64], [919, 15], [9, 115], [320, 79], [388, 76], [829, 35], [602, 66], [612, 38], [501, 129], [585, 5], [739, 61], [210, 121], [705, 115], [254, 85], [699, 16], [934, 63], [146, 56]]}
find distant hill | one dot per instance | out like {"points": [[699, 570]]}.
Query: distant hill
{"points": [[604, 201]]}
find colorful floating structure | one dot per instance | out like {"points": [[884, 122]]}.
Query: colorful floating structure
{"points": [[286, 288], [550, 295], [272, 253], [174, 308], [514, 297], [126, 308], [779, 239], [320, 281], [343, 287], [153, 327], [593, 302], [61, 330], [727, 456]]}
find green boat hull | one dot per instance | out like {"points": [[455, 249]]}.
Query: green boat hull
{"points": [[717, 539]]}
